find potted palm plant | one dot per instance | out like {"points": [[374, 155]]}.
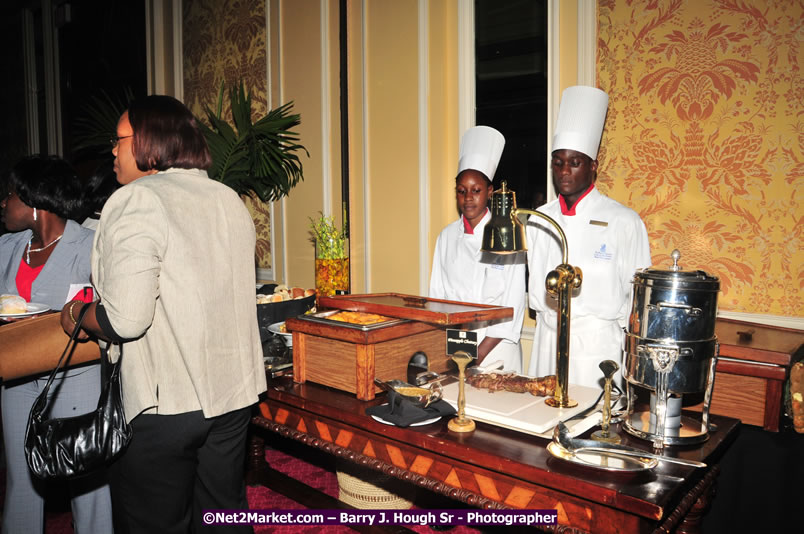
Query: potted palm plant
{"points": [[259, 157]]}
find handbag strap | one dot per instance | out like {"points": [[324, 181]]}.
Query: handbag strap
{"points": [[106, 375], [68, 351]]}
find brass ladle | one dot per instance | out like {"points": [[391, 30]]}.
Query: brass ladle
{"points": [[561, 435], [461, 423], [609, 367]]}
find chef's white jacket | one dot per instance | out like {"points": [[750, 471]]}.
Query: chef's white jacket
{"points": [[609, 242], [462, 272]]}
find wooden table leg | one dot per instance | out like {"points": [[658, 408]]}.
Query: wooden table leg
{"points": [[687, 518], [256, 463]]}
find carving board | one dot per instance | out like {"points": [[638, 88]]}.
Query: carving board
{"points": [[519, 411]]}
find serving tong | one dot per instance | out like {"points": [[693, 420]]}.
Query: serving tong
{"points": [[428, 377]]}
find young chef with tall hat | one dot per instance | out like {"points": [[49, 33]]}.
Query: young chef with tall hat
{"points": [[607, 240], [461, 271]]}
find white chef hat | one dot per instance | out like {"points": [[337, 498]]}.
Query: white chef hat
{"points": [[581, 116], [481, 148]]}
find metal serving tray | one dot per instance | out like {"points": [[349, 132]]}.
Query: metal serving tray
{"points": [[322, 318]]}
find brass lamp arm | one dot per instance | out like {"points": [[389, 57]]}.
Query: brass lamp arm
{"points": [[564, 248], [504, 234]]}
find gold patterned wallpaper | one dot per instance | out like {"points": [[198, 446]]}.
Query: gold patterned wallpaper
{"points": [[704, 138], [226, 41]]}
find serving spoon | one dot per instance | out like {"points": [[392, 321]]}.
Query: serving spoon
{"points": [[596, 405], [561, 436], [609, 367]]}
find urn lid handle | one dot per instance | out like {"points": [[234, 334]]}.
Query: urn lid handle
{"points": [[676, 255]]}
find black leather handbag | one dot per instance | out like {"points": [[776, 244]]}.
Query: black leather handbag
{"points": [[76, 446]]}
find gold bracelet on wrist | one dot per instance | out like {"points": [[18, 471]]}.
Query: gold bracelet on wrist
{"points": [[70, 309]]}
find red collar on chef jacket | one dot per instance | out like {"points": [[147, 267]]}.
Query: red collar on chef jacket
{"points": [[571, 211], [467, 228]]}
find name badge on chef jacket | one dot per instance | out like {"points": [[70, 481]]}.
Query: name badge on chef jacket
{"points": [[462, 340]]}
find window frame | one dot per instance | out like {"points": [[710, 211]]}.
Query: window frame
{"points": [[586, 72]]}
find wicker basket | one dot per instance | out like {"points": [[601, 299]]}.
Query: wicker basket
{"points": [[369, 490]]}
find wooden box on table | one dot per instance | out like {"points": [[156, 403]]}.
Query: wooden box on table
{"points": [[753, 364], [350, 357]]}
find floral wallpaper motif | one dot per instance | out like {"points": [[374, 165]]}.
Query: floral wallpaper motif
{"points": [[705, 138], [225, 40]]}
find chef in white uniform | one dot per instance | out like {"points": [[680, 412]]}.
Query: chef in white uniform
{"points": [[607, 240], [461, 271]]}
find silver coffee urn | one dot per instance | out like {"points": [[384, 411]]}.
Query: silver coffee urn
{"points": [[670, 350]]}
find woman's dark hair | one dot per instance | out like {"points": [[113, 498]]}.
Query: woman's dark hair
{"points": [[166, 135], [47, 183], [99, 188]]}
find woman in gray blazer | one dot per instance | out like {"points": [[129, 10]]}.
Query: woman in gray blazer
{"points": [[44, 255], [173, 265]]}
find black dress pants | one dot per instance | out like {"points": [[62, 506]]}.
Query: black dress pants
{"points": [[175, 467]]}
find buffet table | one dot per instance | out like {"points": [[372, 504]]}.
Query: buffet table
{"points": [[493, 467]]}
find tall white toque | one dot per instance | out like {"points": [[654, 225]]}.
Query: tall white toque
{"points": [[581, 117], [481, 148]]}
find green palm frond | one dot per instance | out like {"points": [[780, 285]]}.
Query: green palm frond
{"points": [[254, 156], [97, 121]]}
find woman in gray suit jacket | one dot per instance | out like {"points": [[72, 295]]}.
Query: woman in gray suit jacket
{"points": [[173, 265], [44, 255]]}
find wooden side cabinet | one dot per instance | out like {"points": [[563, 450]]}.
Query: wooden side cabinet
{"points": [[754, 363]]}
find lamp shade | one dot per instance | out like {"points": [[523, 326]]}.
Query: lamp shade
{"points": [[504, 233]]}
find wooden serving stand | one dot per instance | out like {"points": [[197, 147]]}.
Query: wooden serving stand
{"points": [[349, 358]]}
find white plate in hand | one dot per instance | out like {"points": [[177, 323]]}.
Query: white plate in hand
{"points": [[34, 308], [287, 337]]}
